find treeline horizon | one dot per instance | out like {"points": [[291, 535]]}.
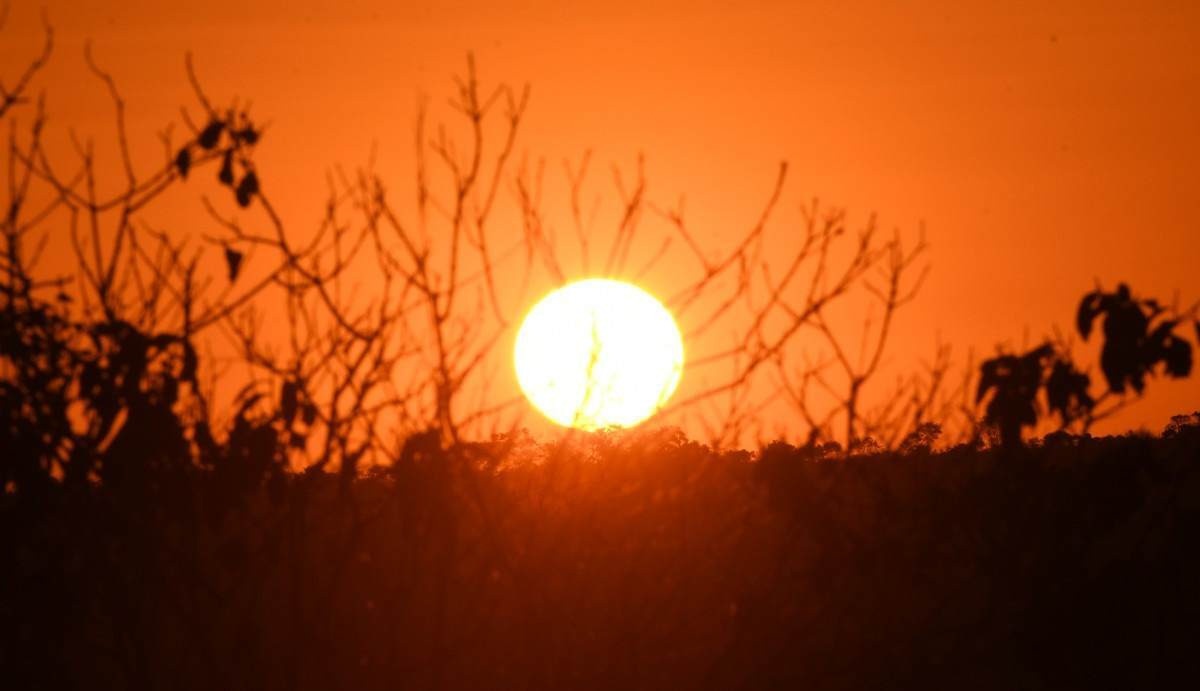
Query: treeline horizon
{"points": [[636, 559]]}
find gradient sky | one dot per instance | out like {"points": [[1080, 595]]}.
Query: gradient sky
{"points": [[1043, 148]]}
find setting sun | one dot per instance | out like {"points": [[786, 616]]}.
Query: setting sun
{"points": [[598, 353]]}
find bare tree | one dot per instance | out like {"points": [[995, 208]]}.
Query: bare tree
{"points": [[361, 366]]}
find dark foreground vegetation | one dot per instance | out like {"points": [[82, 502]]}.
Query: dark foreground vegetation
{"points": [[619, 561], [334, 526]]}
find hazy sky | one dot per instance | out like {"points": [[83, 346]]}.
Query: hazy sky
{"points": [[1043, 148]]}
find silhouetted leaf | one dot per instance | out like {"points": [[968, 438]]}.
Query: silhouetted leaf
{"points": [[1114, 365], [1162, 333], [225, 174], [1138, 381], [308, 413], [1067, 391], [1015, 381], [246, 189], [1125, 320], [210, 134], [1128, 350], [247, 134], [1179, 358], [1038, 354], [183, 162], [1089, 309], [233, 262], [987, 377]]}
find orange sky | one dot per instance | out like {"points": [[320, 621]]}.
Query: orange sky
{"points": [[1043, 148]]}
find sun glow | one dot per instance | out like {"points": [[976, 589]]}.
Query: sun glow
{"points": [[598, 353]]}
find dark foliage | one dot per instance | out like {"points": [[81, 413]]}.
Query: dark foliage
{"points": [[1138, 337], [643, 563], [144, 552], [1067, 391], [233, 263], [147, 546], [232, 136], [1015, 381]]}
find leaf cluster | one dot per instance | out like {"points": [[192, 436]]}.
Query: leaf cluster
{"points": [[1139, 339], [1139, 335], [230, 136]]}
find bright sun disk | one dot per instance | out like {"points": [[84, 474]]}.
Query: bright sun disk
{"points": [[598, 353]]}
